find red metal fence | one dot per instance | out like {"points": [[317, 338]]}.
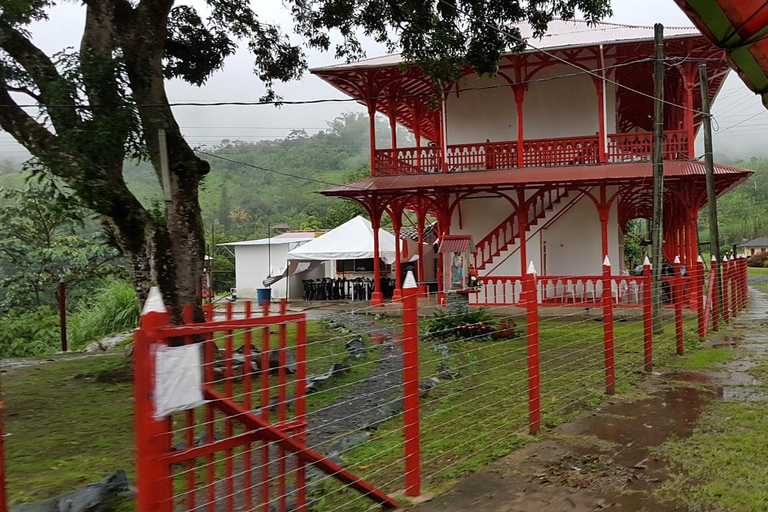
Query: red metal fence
{"points": [[242, 447]]}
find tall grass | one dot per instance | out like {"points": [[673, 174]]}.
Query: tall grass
{"points": [[114, 308]]}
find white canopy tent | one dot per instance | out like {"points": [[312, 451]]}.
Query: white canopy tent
{"points": [[353, 240]]}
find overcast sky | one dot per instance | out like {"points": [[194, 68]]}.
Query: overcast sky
{"points": [[741, 120]]}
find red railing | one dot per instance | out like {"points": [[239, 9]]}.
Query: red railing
{"points": [[638, 146], [485, 156]]}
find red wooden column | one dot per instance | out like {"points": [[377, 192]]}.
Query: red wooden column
{"points": [[392, 113], [371, 104], [689, 71], [396, 225], [411, 429], [608, 338], [417, 136], [519, 96], [421, 215], [522, 220], [377, 298], [604, 212], [443, 132]]}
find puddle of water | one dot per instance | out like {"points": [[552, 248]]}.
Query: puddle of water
{"points": [[636, 427]]}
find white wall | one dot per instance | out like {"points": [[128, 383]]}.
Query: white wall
{"points": [[560, 107], [252, 267], [573, 239]]}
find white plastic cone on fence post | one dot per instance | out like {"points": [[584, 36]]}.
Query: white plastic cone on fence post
{"points": [[608, 336], [411, 429]]}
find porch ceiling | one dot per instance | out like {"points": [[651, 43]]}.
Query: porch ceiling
{"points": [[636, 173]]}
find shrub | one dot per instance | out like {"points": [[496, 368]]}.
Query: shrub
{"points": [[113, 308], [29, 333], [473, 323], [758, 260]]}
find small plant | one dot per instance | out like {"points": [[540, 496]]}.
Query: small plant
{"points": [[29, 333], [473, 323]]}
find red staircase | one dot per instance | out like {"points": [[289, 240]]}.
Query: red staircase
{"points": [[508, 231]]}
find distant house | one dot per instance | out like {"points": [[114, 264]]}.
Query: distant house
{"points": [[281, 227], [756, 246], [257, 259]]}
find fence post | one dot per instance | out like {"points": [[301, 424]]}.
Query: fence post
{"points": [[699, 286], [411, 385], [744, 281], [62, 298], [735, 285], [678, 298], [153, 439], [3, 490], [647, 317], [715, 303], [726, 269], [608, 339], [532, 306]]}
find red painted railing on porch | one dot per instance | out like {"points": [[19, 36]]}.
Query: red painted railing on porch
{"points": [[627, 291], [563, 151]]}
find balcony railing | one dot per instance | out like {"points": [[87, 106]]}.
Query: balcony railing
{"points": [[484, 156]]}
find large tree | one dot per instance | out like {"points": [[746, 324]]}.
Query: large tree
{"points": [[106, 102]]}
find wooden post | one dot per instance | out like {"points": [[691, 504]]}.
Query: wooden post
{"points": [[608, 338], [371, 104], [657, 236], [62, 299], [647, 317], [677, 290], [699, 286], [397, 294], [532, 306], [714, 235], [411, 386]]}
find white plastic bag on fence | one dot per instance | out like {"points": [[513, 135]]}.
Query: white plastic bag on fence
{"points": [[178, 379]]}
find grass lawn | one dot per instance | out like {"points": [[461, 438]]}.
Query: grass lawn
{"points": [[757, 272], [722, 466], [63, 431], [68, 431]]}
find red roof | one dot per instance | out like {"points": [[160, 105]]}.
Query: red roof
{"points": [[455, 243], [636, 172]]}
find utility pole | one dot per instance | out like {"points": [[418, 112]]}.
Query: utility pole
{"points": [[657, 236], [714, 235]]}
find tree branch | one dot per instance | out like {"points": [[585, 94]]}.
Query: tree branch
{"points": [[54, 89]]}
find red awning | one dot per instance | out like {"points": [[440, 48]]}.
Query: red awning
{"points": [[534, 177], [455, 243]]}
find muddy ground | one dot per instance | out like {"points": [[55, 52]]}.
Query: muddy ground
{"points": [[605, 459]]}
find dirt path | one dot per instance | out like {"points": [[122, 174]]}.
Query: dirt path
{"points": [[604, 460], [363, 402]]}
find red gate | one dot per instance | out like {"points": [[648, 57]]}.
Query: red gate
{"points": [[221, 453]]}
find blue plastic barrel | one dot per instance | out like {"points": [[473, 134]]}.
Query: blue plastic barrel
{"points": [[263, 294]]}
